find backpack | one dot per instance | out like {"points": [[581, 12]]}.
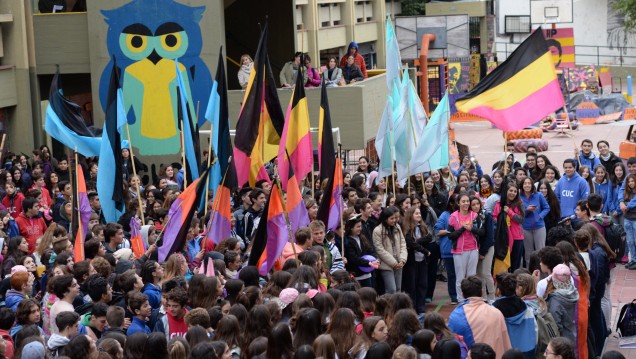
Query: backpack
{"points": [[615, 237], [626, 324], [548, 330]]}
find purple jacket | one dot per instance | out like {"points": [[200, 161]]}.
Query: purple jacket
{"points": [[313, 77]]}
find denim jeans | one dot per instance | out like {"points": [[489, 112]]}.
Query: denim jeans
{"points": [[392, 280], [630, 231], [450, 273]]}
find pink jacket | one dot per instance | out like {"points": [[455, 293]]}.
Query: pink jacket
{"points": [[515, 219], [313, 77]]}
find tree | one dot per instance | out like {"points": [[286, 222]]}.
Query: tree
{"points": [[626, 8], [413, 7]]}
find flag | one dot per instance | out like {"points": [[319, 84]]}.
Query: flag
{"points": [[261, 120], [136, 242], [393, 59], [220, 223], [409, 121], [271, 234], [326, 157], [180, 217], [330, 209], [519, 92], [218, 115], [83, 208], [64, 123], [295, 148], [384, 140], [110, 179], [432, 149], [295, 205], [190, 140]]}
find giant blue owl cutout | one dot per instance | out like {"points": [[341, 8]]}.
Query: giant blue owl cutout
{"points": [[146, 36]]}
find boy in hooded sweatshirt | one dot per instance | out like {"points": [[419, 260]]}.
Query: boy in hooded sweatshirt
{"points": [[67, 323], [352, 50], [586, 157], [520, 321], [571, 188]]}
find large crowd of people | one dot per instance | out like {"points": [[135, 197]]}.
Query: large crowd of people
{"points": [[359, 291]]}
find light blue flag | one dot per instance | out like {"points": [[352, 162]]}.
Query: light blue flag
{"points": [[111, 209], [409, 118], [432, 150], [383, 140], [212, 114], [87, 146], [393, 59], [188, 144]]}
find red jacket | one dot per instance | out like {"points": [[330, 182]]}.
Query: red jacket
{"points": [[14, 207], [31, 229]]}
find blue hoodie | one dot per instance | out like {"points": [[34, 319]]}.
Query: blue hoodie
{"points": [[606, 190], [591, 161], [570, 190], [154, 295], [520, 322], [445, 244], [13, 299], [534, 220]]}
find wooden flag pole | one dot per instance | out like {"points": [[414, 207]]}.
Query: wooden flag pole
{"points": [[505, 154], [70, 181], [207, 186], [341, 213], [183, 158], [79, 216], [215, 204], [292, 239], [391, 154], [4, 137], [132, 159]]}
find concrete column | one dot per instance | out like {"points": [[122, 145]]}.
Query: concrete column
{"points": [[379, 13], [349, 20], [20, 124], [312, 25]]}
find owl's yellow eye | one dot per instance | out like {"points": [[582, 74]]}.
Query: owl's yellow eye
{"points": [[171, 42], [136, 43]]}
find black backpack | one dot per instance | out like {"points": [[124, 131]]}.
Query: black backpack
{"points": [[626, 324], [615, 237]]}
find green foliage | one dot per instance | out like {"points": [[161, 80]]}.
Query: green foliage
{"points": [[412, 7], [627, 8]]}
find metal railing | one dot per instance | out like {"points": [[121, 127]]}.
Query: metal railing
{"points": [[585, 54]]}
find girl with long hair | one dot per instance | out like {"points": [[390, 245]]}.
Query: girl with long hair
{"points": [[603, 186], [390, 247], [17, 248], [629, 222], [358, 245], [445, 246], [553, 217], [403, 326], [342, 326], [374, 330], [279, 343], [176, 266], [552, 175], [437, 178], [586, 173], [464, 233], [486, 247], [436, 198], [415, 276], [536, 209], [437, 324], [229, 331], [514, 216]]}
